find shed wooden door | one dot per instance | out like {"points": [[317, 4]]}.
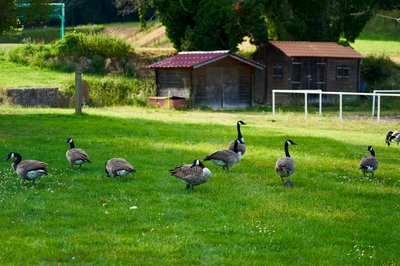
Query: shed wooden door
{"points": [[222, 87]]}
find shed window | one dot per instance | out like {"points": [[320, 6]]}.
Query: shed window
{"points": [[296, 75], [277, 71], [342, 72]]}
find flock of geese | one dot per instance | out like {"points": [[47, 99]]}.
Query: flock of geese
{"points": [[193, 174]]}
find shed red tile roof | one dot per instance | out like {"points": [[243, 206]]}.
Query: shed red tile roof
{"points": [[315, 49], [199, 58]]}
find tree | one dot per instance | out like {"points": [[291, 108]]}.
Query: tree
{"points": [[325, 20], [8, 20], [209, 25], [34, 11], [141, 7]]}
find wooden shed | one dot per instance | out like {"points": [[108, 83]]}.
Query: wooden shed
{"points": [[216, 79], [293, 65]]}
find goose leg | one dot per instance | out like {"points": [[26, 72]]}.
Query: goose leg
{"points": [[288, 183]]}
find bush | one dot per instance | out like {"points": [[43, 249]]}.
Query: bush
{"points": [[109, 91], [32, 54], [106, 55], [379, 72], [78, 44]]}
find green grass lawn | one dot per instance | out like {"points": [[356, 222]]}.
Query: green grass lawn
{"points": [[332, 216], [14, 75], [377, 47]]}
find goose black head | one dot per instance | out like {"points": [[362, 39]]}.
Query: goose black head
{"points": [[371, 150], [290, 142], [197, 163], [10, 156], [71, 143], [18, 159], [240, 122]]}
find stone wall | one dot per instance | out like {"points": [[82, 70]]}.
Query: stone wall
{"points": [[30, 97]]}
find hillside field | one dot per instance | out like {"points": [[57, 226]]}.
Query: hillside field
{"points": [[332, 216]]}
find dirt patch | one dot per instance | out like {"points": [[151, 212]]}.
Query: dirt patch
{"points": [[395, 59], [151, 38], [155, 37], [125, 33]]}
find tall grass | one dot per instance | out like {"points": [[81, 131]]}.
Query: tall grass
{"points": [[45, 35], [332, 216]]}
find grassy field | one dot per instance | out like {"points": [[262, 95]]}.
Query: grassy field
{"points": [[378, 47], [332, 216], [14, 75]]}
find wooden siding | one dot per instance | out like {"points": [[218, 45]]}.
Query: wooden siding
{"points": [[311, 72], [173, 82], [350, 84], [226, 83]]}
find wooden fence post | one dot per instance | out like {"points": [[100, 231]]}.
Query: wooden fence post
{"points": [[78, 85]]}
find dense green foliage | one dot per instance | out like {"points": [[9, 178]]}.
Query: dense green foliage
{"points": [[143, 8], [379, 72], [106, 54], [211, 25], [332, 216], [7, 15], [325, 20], [34, 11], [80, 12], [79, 44], [109, 91]]}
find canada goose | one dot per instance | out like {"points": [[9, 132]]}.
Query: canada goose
{"points": [[226, 158], [369, 163], [118, 167], [393, 136], [76, 155], [241, 144], [285, 166], [194, 174], [27, 169]]}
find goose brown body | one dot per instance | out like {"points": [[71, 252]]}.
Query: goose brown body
{"points": [[27, 169], [225, 158], [118, 167], [369, 163], [194, 174], [285, 166], [76, 155]]}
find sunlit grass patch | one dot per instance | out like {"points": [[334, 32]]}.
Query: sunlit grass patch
{"points": [[333, 215]]}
